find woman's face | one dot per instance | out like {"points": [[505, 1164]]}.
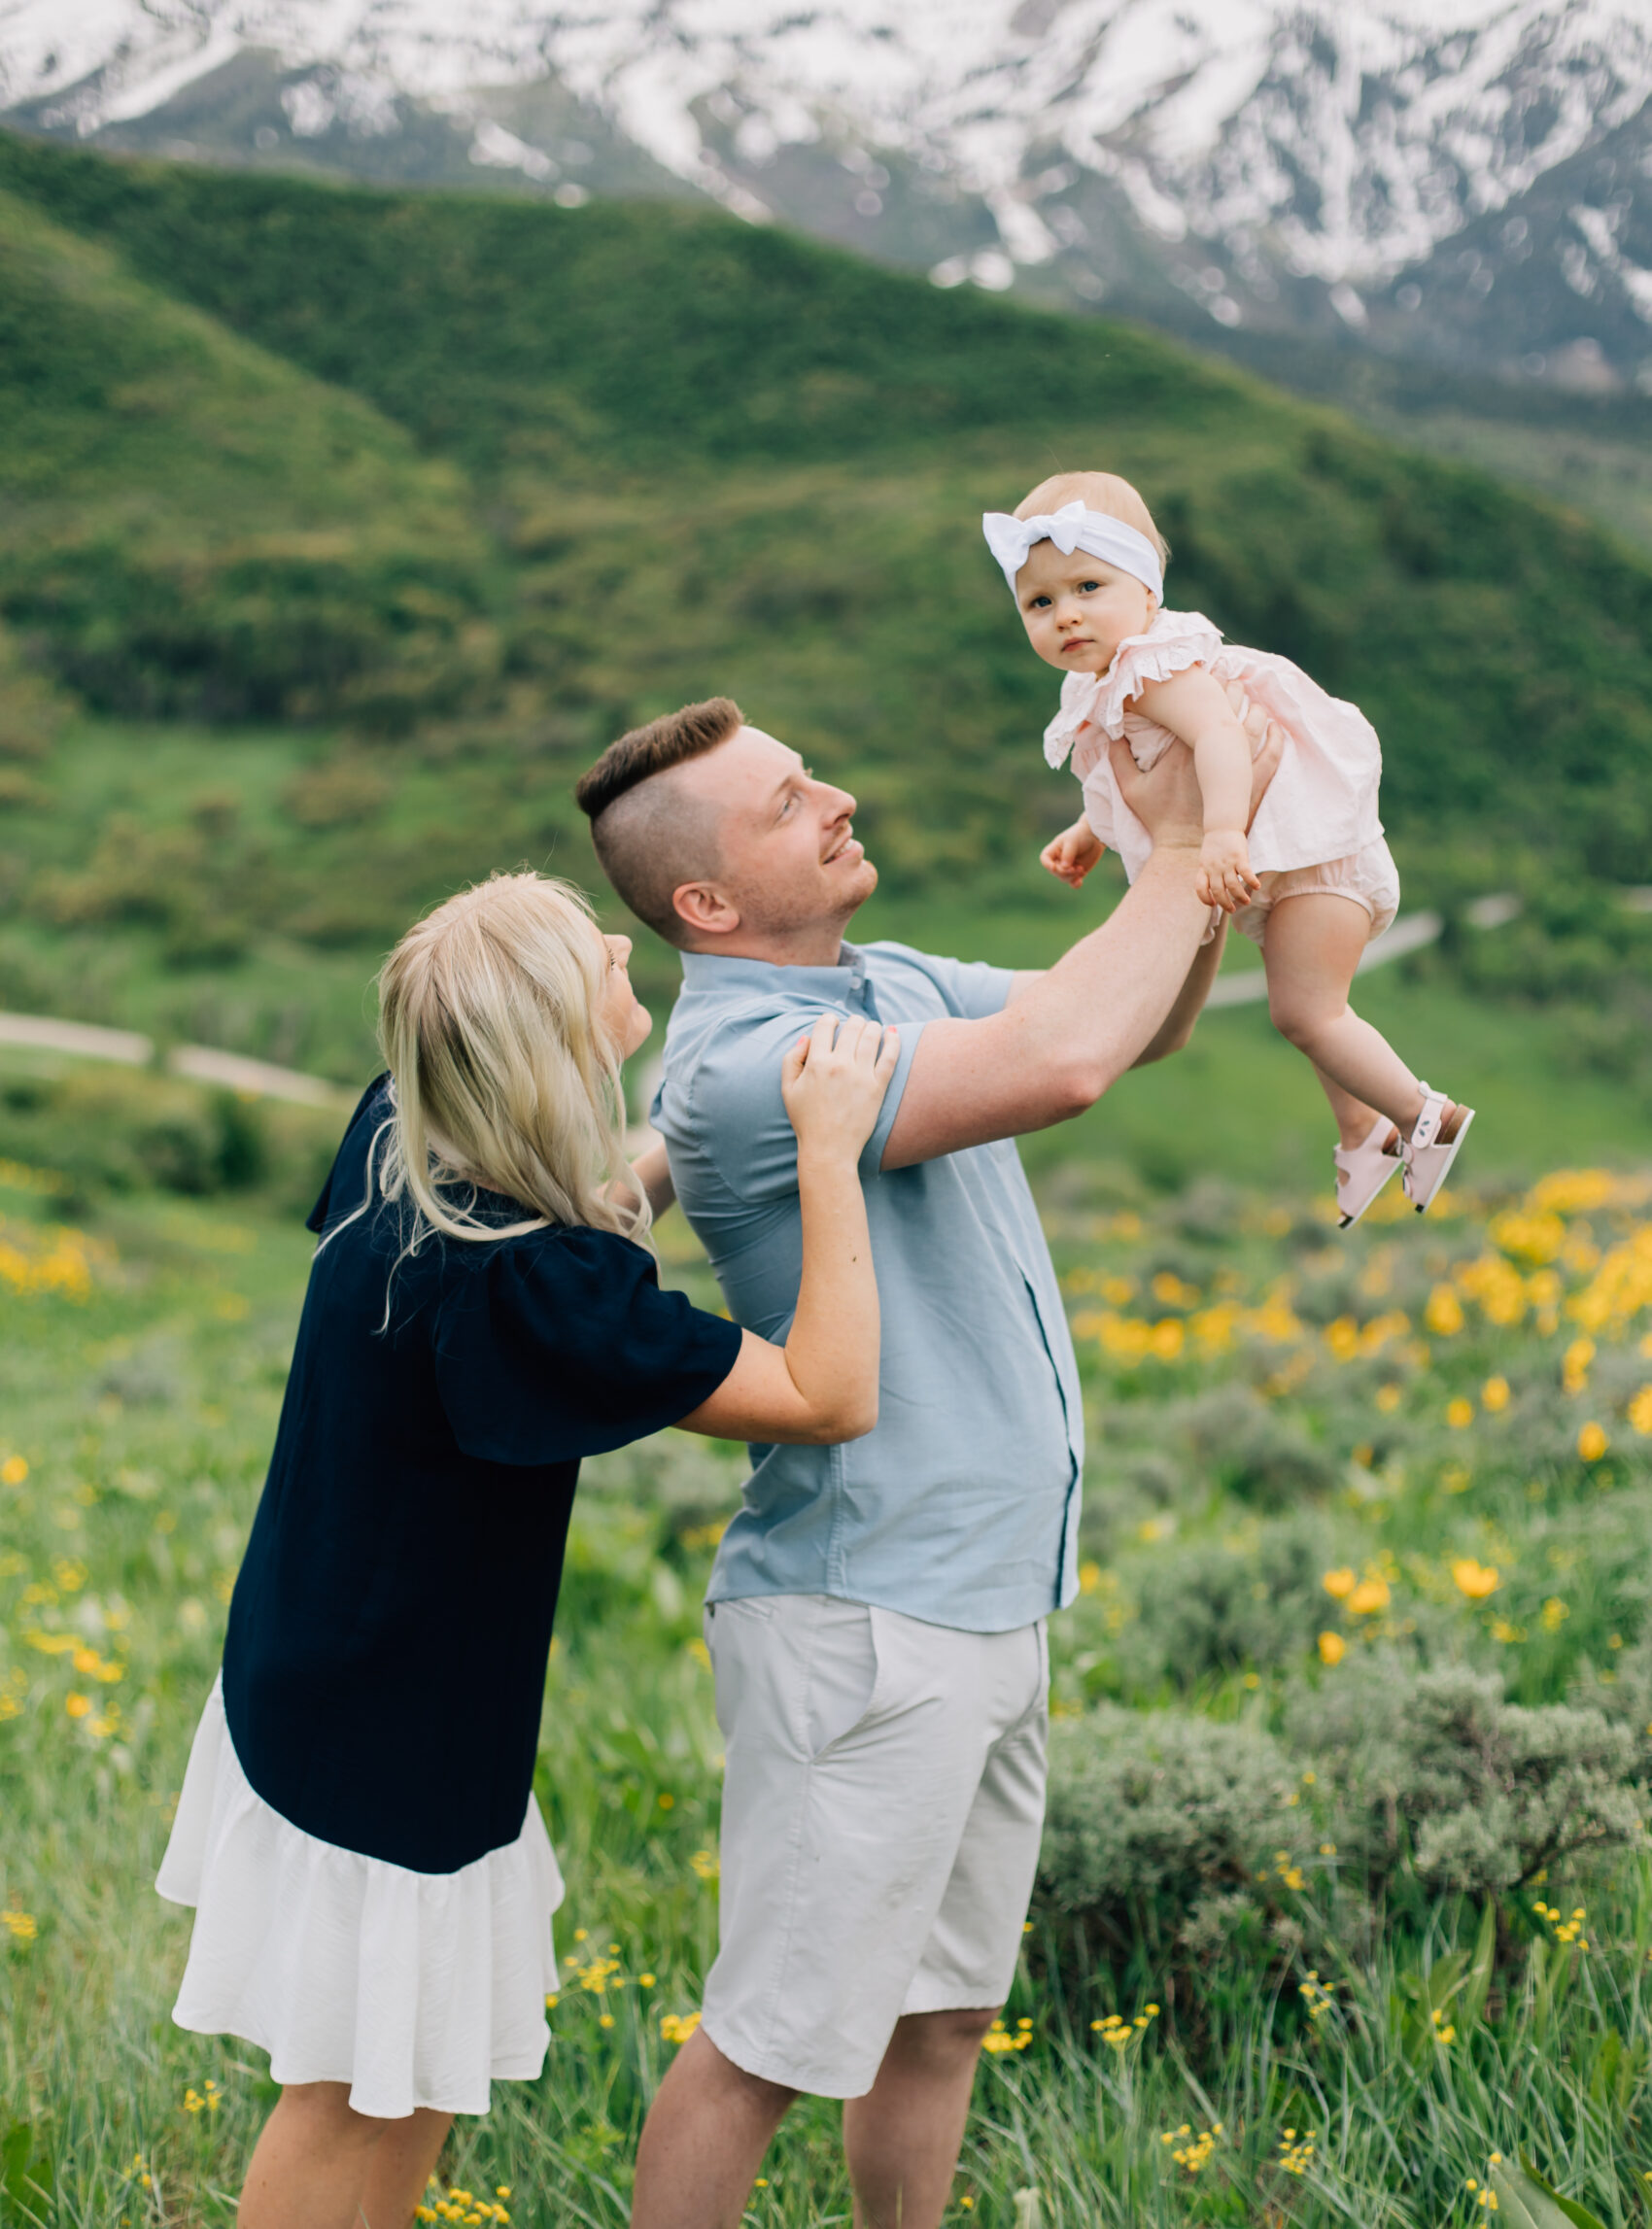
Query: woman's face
{"points": [[626, 1023]]}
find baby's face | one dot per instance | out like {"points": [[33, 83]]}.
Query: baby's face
{"points": [[1078, 609]]}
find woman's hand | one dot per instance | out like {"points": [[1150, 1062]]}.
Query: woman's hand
{"points": [[821, 1386], [834, 1081]]}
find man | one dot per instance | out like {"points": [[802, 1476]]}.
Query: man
{"points": [[876, 1617]]}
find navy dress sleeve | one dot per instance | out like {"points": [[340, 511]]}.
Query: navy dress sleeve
{"points": [[561, 1344]]}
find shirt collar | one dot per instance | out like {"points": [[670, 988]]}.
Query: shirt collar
{"points": [[710, 975]]}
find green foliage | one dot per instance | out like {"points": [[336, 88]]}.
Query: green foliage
{"points": [[1419, 2037], [778, 454], [1480, 1794], [1153, 1817], [108, 1131], [191, 525], [1220, 1605]]}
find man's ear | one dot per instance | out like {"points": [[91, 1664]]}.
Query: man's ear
{"points": [[702, 908]]}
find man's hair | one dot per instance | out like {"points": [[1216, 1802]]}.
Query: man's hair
{"points": [[650, 838]]}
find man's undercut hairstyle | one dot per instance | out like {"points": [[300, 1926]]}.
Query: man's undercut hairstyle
{"points": [[650, 837]]}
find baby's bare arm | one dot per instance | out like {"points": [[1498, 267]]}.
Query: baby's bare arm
{"points": [[1194, 706]]}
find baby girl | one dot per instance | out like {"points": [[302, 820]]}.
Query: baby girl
{"points": [[1311, 882]]}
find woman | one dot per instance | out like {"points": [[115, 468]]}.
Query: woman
{"points": [[371, 1876]]}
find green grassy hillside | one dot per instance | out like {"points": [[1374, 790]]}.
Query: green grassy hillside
{"points": [[191, 523], [349, 526], [629, 350]]}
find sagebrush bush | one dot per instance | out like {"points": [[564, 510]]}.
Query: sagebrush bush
{"points": [[1253, 1598], [1436, 1770], [1151, 1816], [1260, 1453]]}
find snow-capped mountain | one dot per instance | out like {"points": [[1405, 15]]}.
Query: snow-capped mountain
{"points": [[1469, 180]]}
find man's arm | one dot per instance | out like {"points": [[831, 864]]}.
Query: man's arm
{"points": [[1065, 1037], [1054, 1050], [1178, 1025]]}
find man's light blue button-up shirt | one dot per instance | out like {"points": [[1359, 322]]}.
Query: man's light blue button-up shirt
{"points": [[962, 1506]]}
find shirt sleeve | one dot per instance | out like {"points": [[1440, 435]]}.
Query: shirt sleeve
{"points": [[374, 1103], [971, 989], [730, 1112], [562, 1345]]}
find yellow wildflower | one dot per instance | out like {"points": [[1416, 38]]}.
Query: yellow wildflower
{"points": [[1592, 1443], [1339, 1581], [1474, 1579], [1494, 1395], [1333, 1648], [1368, 1598], [1459, 1414]]}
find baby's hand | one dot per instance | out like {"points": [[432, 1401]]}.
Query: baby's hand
{"points": [[1225, 878], [1073, 853]]}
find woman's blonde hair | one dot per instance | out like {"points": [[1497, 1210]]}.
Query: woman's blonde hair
{"points": [[504, 1078]]}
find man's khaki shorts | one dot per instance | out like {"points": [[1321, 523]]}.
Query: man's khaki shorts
{"points": [[882, 1812]]}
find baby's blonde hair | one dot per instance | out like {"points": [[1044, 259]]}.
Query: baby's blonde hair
{"points": [[504, 1077], [1103, 492]]}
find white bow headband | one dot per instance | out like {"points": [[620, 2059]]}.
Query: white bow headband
{"points": [[1073, 528]]}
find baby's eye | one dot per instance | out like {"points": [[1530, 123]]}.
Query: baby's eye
{"points": [[1039, 603], [1085, 586]]}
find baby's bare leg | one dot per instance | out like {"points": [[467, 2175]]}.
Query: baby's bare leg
{"points": [[1354, 1120], [1311, 948]]}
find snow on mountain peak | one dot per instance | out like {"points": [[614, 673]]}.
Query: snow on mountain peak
{"points": [[1347, 137]]}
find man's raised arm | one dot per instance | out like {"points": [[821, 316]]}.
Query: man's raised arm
{"points": [[1070, 1034]]}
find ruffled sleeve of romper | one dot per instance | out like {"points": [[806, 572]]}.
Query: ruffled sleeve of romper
{"points": [[1176, 640], [562, 1344], [1077, 696]]}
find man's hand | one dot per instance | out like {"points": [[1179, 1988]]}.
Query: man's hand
{"points": [[1071, 855], [1167, 801]]}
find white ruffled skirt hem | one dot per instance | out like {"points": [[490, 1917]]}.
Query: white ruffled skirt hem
{"points": [[417, 1989]]}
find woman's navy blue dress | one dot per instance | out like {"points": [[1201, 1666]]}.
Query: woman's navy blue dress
{"points": [[385, 1664]]}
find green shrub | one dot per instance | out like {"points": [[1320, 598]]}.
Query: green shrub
{"points": [[1152, 1816], [1436, 1770], [112, 1130], [1257, 1452], [1222, 1605]]}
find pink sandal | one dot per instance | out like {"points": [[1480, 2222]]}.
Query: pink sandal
{"points": [[1427, 1156], [1362, 1170]]}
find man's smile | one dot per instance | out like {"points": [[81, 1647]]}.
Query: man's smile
{"points": [[847, 846]]}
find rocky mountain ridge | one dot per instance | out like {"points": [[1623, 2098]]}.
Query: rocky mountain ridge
{"points": [[1467, 183]]}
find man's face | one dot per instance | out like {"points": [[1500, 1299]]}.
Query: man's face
{"points": [[1078, 609], [789, 858]]}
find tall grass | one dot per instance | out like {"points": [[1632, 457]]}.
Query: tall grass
{"points": [[136, 1410]]}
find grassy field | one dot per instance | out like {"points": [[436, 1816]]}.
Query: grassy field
{"points": [[339, 531], [1326, 1475]]}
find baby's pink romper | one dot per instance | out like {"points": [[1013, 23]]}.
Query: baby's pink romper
{"points": [[1316, 829]]}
